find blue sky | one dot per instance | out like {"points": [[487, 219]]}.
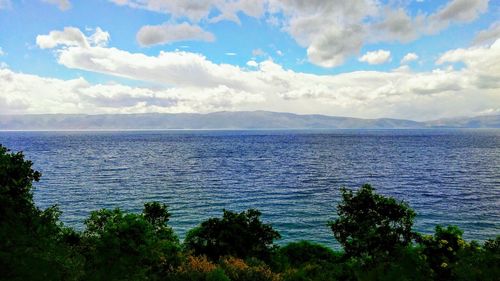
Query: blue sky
{"points": [[327, 57]]}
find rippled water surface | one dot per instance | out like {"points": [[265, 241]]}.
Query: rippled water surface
{"points": [[293, 177]]}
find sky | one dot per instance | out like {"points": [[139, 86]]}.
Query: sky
{"points": [[411, 59]]}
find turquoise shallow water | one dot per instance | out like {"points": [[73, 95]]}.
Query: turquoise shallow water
{"points": [[293, 177]]}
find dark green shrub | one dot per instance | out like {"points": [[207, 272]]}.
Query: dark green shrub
{"points": [[240, 235], [410, 265], [123, 246], [297, 254], [442, 249]]}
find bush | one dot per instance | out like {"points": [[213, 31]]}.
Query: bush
{"points": [[310, 261], [478, 263], [297, 254], [410, 265], [237, 270], [122, 246], [441, 250], [452, 258], [198, 269], [240, 235]]}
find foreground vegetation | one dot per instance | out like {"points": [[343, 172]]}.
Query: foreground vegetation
{"points": [[375, 233]]}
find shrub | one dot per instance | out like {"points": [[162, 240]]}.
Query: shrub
{"points": [[123, 246], [310, 261], [297, 254], [410, 265], [441, 250], [237, 270], [241, 235], [198, 268], [452, 258]]}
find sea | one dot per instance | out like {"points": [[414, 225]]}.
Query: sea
{"points": [[448, 176]]}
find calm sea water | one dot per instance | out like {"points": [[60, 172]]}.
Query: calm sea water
{"points": [[293, 177]]}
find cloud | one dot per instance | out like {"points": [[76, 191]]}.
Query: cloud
{"points": [[459, 11], [409, 58], [330, 31], [192, 9], [189, 80], [99, 38], [252, 63], [455, 11], [396, 25], [167, 33], [70, 36], [258, 52], [24, 93], [231, 54], [196, 10], [376, 57], [1, 52], [170, 68], [488, 36], [334, 47], [63, 5], [484, 61]]}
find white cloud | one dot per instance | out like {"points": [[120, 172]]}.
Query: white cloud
{"points": [[167, 33], [482, 61], [196, 10], [1, 52], [376, 57], [192, 80], [335, 30], [230, 54], [409, 58], [396, 25], [70, 36], [331, 31], [457, 11], [252, 63], [63, 5], [23, 93], [489, 35], [99, 38]]}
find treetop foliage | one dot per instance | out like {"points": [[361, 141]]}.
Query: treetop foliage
{"points": [[240, 235], [371, 225]]}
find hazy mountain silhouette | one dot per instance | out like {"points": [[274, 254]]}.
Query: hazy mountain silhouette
{"points": [[226, 120]]}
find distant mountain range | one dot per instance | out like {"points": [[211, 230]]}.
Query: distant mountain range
{"points": [[227, 120]]}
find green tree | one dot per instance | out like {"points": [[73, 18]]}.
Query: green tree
{"points": [[371, 226], [239, 235], [32, 241]]}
